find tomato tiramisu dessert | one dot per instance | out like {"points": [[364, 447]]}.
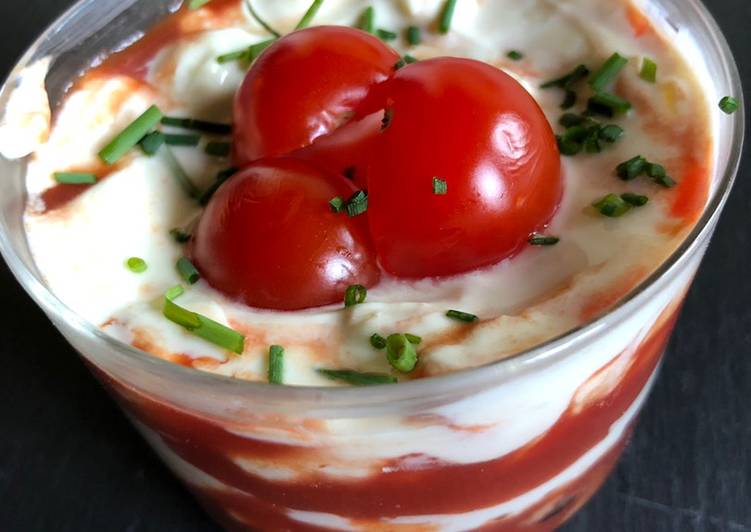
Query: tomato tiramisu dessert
{"points": [[343, 194]]}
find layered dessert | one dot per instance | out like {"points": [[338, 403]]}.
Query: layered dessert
{"points": [[350, 193]]}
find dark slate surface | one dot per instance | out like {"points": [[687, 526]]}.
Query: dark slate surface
{"points": [[69, 461]]}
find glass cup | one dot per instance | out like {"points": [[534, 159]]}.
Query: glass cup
{"points": [[519, 444]]}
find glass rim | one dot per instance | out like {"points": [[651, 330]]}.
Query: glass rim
{"points": [[476, 378]]}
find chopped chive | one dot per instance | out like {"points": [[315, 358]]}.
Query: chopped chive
{"points": [[136, 265], [357, 378], [515, 55], [542, 240], [569, 80], [577, 133], [234, 56], [182, 140], [337, 204], [636, 200], [648, 70], [400, 64], [569, 100], [257, 49], [357, 204], [612, 206], [197, 125], [655, 170], [729, 105], [195, 4], [665, 181], [179, 236], [174, 292], [309, 15], [355, 295], [607, 104], [632, 168], [462, 316], [401, 353], [151, 143], [221, 178], [447, 16], [75, 178], [409, 59], [592, 143], [178, 172], [440, 187], [611, 133], [414, 35], [568, 147], [204, 327], [386, 35], [367, 20], [260, 20], [131, 135], [276, 364], [218, 149], [605, 76], [187, 271], [569, 120], [413, 338], [378, 341]]}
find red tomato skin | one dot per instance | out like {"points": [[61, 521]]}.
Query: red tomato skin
{"points": [[475, 127], [269, 238], [305, 86]]}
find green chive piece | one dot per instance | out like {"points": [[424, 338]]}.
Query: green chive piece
{"points": [[648, 70], [665, 181], [592, 144], [205, 328], [515, 55], [357, 378], [355, 295], [218, 149], [195, 4], [447, 16], [655, 170], [632, 168], [409, 59], [462, 316], [260, 20], [440, 187], [75, 178], [729, 105], [636, 200], [197, 125], [257, 49], [276, 364], [357, 204], [178, 172], [569, 120], [131, 135], [309, 15], [221, 178], [413, 338], [401, 353], [607, 104], [179, 236], [182, 140], [151, 143], [568, 147], [612, 206], [234, 56], [136, 265], [569, 80], [404, 61], [174, 292], [611, 133], [367, 20], [187, 271], [337, 204], [542, 240], [607, 73], [378, 341], [386, 35], [414, 35], [569, 100], [400, 64]]}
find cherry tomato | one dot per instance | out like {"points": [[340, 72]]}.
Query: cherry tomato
{"points": [[347, 150], [472, 126], [270, 239], [306, 85]]}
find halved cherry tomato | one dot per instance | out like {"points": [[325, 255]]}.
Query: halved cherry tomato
{"points": [[474, 127], [305, 86], [270, 239]]}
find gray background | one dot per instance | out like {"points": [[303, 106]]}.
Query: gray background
{"points": [[69, 461]]}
